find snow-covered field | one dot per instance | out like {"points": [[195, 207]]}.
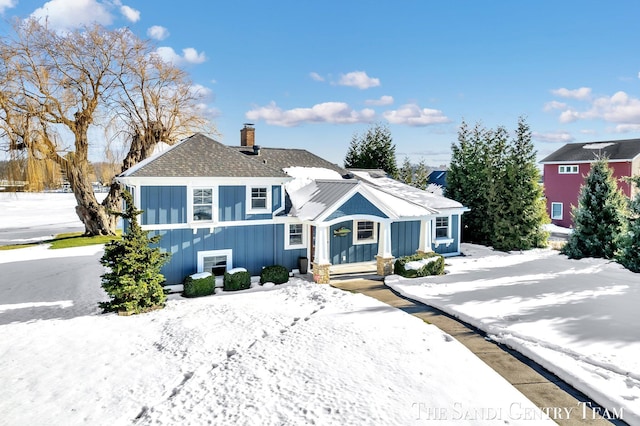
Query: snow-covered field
{"points": [[298, 353], [579, 319]]}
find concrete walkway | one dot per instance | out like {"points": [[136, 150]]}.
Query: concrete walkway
{"points": [[540, 386]]}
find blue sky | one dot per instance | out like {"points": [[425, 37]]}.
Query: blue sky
{"points": [[312, 74]]}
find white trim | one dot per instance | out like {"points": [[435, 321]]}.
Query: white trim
{"points": [[568, 169], [248, 197], [561, 210], [208, 253], [587, 161], [202, 181], [438, 241], [287, 230], [374, 235]]}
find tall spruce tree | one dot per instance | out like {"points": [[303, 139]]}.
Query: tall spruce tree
{"points": [[421, 178], [133, 280], [497, 178], [373, 150], [521, 209], [629, 255], [405, 174], [599, 218]]}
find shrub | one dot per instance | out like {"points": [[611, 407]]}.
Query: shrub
{"points": [[201, 285], [435, 267], [238, 279], [132, 279], [276, 274]]}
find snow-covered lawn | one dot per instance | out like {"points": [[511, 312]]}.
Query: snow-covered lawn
{"points": [[298, 353], [579, 319]]}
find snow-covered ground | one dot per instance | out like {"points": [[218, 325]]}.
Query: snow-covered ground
{"points": [[579, 319], [298, 353]]}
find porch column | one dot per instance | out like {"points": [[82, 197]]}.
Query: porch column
{"points": [[425, 236], [321, 263], [384, 259]]}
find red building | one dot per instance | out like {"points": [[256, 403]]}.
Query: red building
{"points": [[566, 168]]}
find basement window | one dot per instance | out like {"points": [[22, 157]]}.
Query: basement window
{"points": [[556, 211]]}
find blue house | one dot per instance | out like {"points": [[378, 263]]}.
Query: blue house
{"points": [[218, 207], [438, 177]]}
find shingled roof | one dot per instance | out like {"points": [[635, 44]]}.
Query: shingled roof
{"points": [[282, 158], [619, 150], [201, 156]]}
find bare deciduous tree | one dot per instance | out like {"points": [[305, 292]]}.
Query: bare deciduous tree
{"points": [[65, 83]]}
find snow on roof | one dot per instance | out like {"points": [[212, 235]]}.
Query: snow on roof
{"points": [[406, 192], [600, 145]]}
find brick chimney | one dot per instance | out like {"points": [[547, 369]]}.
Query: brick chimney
{"points": [[247, 135]]}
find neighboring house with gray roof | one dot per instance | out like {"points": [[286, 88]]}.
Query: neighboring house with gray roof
{"points": [[566, 168], [219, 207]]}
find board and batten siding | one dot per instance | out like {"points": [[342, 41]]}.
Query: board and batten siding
{"points": [[232, 203], [253, 247], [405, 238], [342, 250], [162, 205], [356, 205]]}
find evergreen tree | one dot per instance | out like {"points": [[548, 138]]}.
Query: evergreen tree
{"points": [[422, 175], [406, 172], [629, 255], [133, 280], [373, 150], [497, 178], [599, 217], [522, 211]]}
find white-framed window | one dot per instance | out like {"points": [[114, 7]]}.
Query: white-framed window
{"points": [[202, 204], [442, 227], [215, 261], [258, 199], [365, 232], [572, 169], [556, 211], [294, 236]]}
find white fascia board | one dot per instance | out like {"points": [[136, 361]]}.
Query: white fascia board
{"points": [[202, 181], [567, 162]]}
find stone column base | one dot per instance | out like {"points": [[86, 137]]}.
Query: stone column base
{"points": [[424, 251], [384, 265], [321, 273]]}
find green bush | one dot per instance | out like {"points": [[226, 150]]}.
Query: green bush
{"points": [[435, 267], [276, 274], [199, 286], [240, 280]]}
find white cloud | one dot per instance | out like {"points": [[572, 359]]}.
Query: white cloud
{"points": [[553, 137], [130, 13], [72, 14], [189, 55], [327, 112], [413, 115], [315, 76], [581, 94], [628, 128], [7, 4], [157, 32], [553, 105], [384, 100], [619, 108], [358, 79]]}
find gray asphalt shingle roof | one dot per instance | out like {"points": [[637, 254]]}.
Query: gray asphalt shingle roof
{"points": [[281, 158], [201, 156], [589, 151]]}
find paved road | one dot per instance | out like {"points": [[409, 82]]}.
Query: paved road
{"points": [[9, 236], [50, 288]]}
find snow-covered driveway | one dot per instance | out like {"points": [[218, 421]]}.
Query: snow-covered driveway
{"points": [[579, 319]]}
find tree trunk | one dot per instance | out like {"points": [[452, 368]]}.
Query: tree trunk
{"points": [[96, 219]]}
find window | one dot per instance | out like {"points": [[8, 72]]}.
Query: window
{"points": [[365, 232], [294, 237], [556, 211], [202, 204], [567, 170], [258, 199], [215, 261], [442, 227]]}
